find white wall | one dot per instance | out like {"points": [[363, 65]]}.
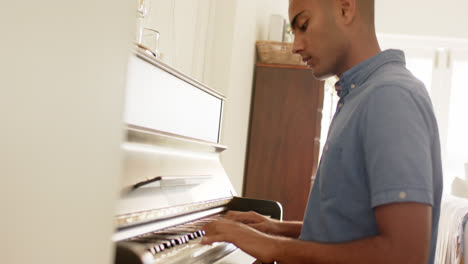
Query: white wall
{"points": [[185, 28], [239, 90], [445, 18], [218, 53], [265, 8], [250, 19], [62, 67]]}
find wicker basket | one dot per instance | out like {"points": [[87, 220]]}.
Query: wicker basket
{"points": [[272, 52]]}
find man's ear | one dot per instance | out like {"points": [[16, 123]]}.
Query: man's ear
{"points": [[347, 9]]}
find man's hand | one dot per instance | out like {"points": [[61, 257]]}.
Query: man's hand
{"points": [[266, 224], [255, 243], [257, 221]]}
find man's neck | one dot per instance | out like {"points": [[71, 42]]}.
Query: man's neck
{"points": [[362, 47]]}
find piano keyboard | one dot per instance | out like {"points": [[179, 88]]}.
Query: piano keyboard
{"points": [[177, 244]]}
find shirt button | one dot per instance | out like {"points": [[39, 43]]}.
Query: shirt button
{"points": [[353, 86], [340, 105], [326, 147], [402, 195]]}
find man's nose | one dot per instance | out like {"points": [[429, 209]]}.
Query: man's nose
{"points": [[298, 45]]}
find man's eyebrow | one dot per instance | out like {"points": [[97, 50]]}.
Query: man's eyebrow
{"points": [[294, 20]]}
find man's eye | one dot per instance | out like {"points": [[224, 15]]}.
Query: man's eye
{"points": [[303, 27]]}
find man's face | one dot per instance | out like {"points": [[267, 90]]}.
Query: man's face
{"points": [[318, 38]]}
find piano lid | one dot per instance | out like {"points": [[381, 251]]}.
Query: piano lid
{"points": [[161, 98]]}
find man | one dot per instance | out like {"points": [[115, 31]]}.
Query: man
{"points": [[376, 198]]}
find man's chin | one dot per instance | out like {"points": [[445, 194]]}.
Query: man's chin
{"points": [[321, 76]]}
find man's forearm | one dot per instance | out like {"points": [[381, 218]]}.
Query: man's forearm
{"points": [[404, 237], [376, 249]]}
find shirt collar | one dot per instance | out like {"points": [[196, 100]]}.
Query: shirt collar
{"points": [[357, 75]]}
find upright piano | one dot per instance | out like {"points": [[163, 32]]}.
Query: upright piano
{"points": [[173, 182]]}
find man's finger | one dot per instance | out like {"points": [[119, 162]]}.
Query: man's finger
{"points": [[245, 217], [233, 214], [256, 225], [208, 240]]}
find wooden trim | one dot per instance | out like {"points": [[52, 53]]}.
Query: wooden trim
{"points": [[284, 66]]}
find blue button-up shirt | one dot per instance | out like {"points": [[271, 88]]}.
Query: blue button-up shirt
{"points": [[382, 147]]}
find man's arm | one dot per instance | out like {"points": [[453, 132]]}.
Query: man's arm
{"points": [[404, 237]]}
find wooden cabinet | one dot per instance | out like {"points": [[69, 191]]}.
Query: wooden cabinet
{"points": [[284, 136]]}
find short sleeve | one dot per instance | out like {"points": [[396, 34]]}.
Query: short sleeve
{"points": [[397, 147]]}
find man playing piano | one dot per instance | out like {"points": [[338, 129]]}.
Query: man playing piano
{"points": [[376, 198]]}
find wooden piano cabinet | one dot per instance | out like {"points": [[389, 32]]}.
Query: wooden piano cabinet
{"points": [[284, 136]]}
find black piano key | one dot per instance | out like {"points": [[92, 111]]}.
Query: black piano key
{"points": [[158, 244], [173, 240], [183, 237], [182, 240], [167, 244], [156, 249]]}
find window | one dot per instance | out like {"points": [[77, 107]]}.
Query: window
{"points": [[457, 136], [329, 107], [421, 68]]}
